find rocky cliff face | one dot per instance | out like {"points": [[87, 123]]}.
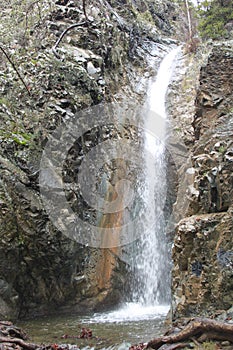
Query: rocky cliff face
{"points": [[202, 275], [41, 270]]}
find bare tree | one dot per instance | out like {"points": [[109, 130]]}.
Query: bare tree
{"points": [[189, 19]]}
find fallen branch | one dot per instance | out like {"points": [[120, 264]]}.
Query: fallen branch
{"points": [[15, 69], [5, 323], [20, 342], [199, 327]]}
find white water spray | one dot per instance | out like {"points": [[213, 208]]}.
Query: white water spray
{"points": [[152, 270], [151, 295], [154, 261]]}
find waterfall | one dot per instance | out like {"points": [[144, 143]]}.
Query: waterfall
{"points": [[150, 296], [152, 265]]}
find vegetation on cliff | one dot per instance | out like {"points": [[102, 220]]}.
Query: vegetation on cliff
{"points": [[215, 19]]}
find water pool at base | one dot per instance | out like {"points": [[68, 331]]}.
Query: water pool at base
{"points": [[116, 330]]}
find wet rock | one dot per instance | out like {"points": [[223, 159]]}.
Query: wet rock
{"points": [[92, 71], [202, 252], [225, 343], [205, 285], [41, 270], [225, 258]]}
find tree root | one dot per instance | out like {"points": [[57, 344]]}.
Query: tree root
{"points": [[201, 328], [20, 342]]}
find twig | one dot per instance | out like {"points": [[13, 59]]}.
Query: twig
{"points": [[119, 19], [195, 341], [15, 68], [64, 33], [189, 19], [84, 10], [27, 12]]}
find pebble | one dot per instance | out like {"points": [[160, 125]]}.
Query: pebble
{"points": [[225, 343], [191, 345]]}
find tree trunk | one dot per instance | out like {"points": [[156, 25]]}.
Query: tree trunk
{"points": [[189, 19]]}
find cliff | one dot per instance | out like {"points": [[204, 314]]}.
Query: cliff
{"points": [[203, 250], [104, 57], [108, 54]]}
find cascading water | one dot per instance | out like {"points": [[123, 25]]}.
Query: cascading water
{"points": [[153, 262]]}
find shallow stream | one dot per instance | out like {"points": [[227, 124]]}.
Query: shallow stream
{"points": [[116, 330]]}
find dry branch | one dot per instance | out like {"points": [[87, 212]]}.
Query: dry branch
{"points": [[15, 69], [199, 327], [118, 18], [64, 33], [84, 10]]}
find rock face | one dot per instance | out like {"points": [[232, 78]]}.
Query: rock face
{"points": [[43, 271], [202, 276]]}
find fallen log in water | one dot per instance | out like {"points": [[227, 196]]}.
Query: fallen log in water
{"points": [[201, 328]]}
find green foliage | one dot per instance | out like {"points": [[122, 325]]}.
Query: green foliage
{"points": [[21, 138], [147, 17], [214, 15], [222, 149], [142, 17], [209, 346], [205, 346], [19, 19]]}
